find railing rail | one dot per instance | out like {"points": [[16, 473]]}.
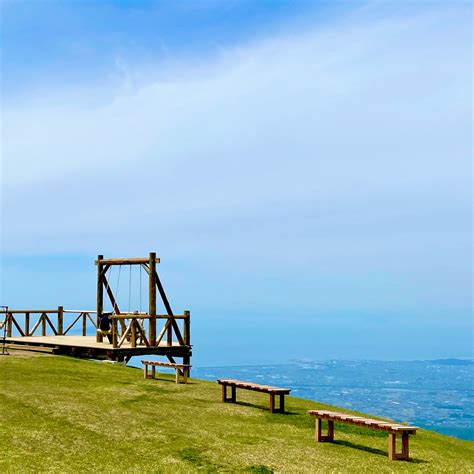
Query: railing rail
{"points": [[28, 327]]}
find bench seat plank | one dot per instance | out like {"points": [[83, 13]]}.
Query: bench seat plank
{"points": [[173, 365]]}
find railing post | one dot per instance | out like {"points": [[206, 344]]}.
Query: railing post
{"points": [[169, 332], [100, 296], [43, 324], [84, 324], [133, 328], [60, 320], [152, 299], [187, 340], [27, 324], [114, 333], [187, 328], [9, 324]]}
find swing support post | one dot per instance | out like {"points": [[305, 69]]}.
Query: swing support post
{"points": [[100, 295], [152, 298]]}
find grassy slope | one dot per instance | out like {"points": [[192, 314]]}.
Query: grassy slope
{"points": [[68, 415]]}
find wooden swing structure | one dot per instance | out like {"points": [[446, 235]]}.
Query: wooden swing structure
{"points": [[117, 335]]}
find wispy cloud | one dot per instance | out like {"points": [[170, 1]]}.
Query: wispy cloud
{"points": [[340, 151]]}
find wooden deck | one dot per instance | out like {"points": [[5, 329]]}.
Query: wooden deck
{"points": [[87, 346]]}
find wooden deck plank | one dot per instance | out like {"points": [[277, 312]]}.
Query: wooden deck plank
{"points": [[74, 341]]}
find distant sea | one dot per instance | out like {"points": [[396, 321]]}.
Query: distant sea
{"points": [[436, 394]]}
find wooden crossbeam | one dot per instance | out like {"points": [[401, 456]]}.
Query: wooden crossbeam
{"points": [[110, 295], [35, 327], [142, 334], [17, 325], [126, 261], [45, 316]]}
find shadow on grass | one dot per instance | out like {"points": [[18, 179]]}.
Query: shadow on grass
{"points": [[262, 408], [172, 380], [377, 451]]}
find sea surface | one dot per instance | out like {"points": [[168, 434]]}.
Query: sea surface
{"points": [[437, 394]]}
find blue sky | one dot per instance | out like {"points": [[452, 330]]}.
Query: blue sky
{"points": [[303, 169]]}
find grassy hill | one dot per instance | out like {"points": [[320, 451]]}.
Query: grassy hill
{"points": [[68, 415]]}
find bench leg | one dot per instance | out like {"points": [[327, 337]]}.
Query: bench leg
{"points": [[145, 371], [330, 436], [392, 447], [153, 372], [177, 376], [282, 403], [320, 438], [272, 402], [224, 397], [405, 453]]}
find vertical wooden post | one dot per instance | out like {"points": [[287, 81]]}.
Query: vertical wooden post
{"points": [[84, 324], [100, 296], [133, 330], [272, 402], [152, 298], [187, 340], [115, 336], [169, 333], [43, 324], [27, 324], [234, 393], [60, 320], [9, 324], [224, 393], [145, 372], [187, 328], [392, 450]]}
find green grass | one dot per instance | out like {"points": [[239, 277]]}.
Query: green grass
{"points": [[69, 415]]}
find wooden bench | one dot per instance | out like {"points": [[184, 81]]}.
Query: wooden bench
{"points": [[272, 391], [392, 428], [184, 368]]}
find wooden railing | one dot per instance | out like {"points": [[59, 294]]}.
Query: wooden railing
{"points": [[135, 333], [48, 321], [131, 330]]}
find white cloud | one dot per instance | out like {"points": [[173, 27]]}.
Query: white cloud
{"points": [[362, 122]]}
